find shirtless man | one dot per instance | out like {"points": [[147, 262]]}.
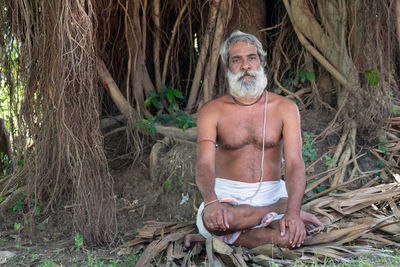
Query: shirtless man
{"points": [[240, 140]]}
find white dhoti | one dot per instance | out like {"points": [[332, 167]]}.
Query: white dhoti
{"points": [[239, 193]]}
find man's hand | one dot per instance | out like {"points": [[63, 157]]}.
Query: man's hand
{"points": [[215, 217], [297, 230]]}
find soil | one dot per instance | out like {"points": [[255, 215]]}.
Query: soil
{"points": [[166, 193]]}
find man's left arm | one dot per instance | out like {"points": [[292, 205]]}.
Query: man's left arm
{"points": [[294, 173]]}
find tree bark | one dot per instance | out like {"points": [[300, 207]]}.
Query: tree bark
{"points": [[156, 45], [204, 47]]}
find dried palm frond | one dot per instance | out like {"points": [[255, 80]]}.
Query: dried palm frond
{"points": [[357, 222]]}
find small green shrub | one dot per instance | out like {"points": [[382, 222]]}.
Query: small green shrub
{"points": [[329, 160], [19, 202], [373, 77], [309, 152], [168, 111], [78, 241], [5, 163]]}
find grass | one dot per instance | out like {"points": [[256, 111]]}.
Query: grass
{"points": [[93, 260], [368, 260], [28, 254]]}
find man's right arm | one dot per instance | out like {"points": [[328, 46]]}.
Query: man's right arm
{"points": [[214, 214], [205, 165]]}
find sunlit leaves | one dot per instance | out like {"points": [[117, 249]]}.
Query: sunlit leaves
{"points": [[373, 77]]}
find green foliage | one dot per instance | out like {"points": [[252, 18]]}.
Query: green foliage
{"points": [[19, 202], [166, 103], [309, 152], [382, 144], [169, 184], [301, 77], [34, 257], [5, 162], [17, 226], [373, 77], [78, 241], [318, 189], [297, 80], [173, 183], [148, 125], [295, 100], [94, 261], [11, 84], [306, 76], [380, 164], [393, 111], [48, 263], [329, 160]]}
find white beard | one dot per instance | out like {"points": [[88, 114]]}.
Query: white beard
{"points": [[247, 87]]}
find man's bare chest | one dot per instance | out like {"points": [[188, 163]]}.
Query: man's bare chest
{"points": [[235, 131]]}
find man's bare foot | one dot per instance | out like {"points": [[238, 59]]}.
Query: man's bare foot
{"points": [[310, 221], [191, 239]]}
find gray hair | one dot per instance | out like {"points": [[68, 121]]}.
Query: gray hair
{"points": [[238, 36]]}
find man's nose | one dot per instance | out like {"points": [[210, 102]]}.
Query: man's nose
{"points": [[245, 65]]}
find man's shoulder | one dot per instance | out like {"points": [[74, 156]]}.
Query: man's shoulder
{"points": [[215, 104], [282, 101]]}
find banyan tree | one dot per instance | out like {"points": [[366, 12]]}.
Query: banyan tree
{"points": [[66, 65]]}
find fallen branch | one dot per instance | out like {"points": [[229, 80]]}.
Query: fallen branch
{"points": [[168, 131], [128, 111], [114, 92]]}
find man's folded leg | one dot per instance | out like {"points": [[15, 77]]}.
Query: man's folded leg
{"points": [[265, 235]]}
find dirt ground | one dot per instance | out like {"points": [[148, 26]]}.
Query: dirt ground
{"points": [[160, 186]]}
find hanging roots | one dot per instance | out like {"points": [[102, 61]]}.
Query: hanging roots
{"points": [[61, 112]]}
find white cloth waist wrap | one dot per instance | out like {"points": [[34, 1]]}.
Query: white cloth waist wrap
{"points": [[241, 193]]}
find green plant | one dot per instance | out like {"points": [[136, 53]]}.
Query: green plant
{"points": [[133, 259], [373, 76], [169, 183], [166, 103], [309, 152], [34, 257], [299, 77], [5, 163], [329, 160], [318, 189], [148, 125], [94, 261], [78, 241], [48, 263], [180, 180], [37, 209], [19, 202], [382, 144], [393, 111], [17, 226], [173, 183]]}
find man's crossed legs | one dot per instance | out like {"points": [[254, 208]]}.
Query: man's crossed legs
{"points": [[243, 218]]}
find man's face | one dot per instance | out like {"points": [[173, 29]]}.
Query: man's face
{"points": [[245, 74], [243, 56]]}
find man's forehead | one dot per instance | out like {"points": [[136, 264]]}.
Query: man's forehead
{"points": [[242, 48]]}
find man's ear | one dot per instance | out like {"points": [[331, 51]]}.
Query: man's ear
{"points": [[263, 61]]}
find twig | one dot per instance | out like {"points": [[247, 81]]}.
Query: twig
{"points": [[318, 182], [340, 185], [171, 42]]}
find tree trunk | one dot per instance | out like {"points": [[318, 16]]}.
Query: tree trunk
{"points": [[327, 41]]}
